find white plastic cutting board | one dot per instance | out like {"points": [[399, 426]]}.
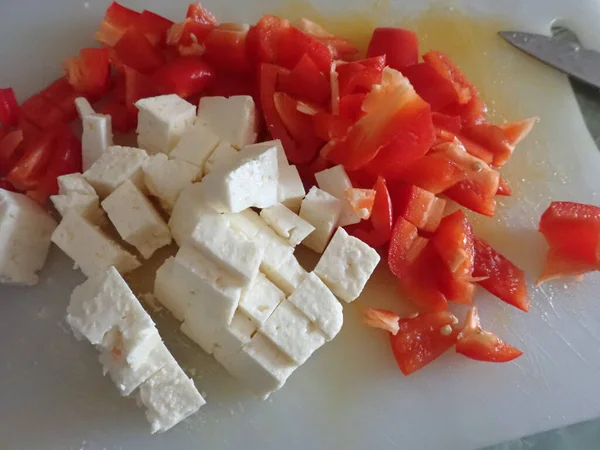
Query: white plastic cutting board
{"points": [[350, 394]]}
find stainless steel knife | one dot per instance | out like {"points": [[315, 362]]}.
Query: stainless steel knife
{"points": [[566, 56]]}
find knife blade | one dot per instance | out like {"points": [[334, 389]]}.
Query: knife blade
{"points": [[566, 56]]}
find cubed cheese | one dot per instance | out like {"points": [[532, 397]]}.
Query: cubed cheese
{"points": [[247, 222], [275, 251], [166, 178], [234, 336], [260, 299], [282, 160], [347, 265], [90, 248], [292, 332], [96, 137], [196, 145], [136, 220], [224, 154], [163, 119], [317, 302], [288, 275], [169, 291], [287, 224], [126, 378], [116, 165], [74, 183], [85, 205], [233, 119], [107, 314], [186, 213], [291, 188], [252, 181], [25, 230], [322, 211], [335, 181], [169, 397], [260, 365]]}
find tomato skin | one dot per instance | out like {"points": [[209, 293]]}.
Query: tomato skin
{"points": [[184, 76], [305, 81], [419, 340], [135, 50], [480, 345], [9, 108], [504, 280], [573, 230], [400, 46], [381, 218], [433, 172], [89, 71]]}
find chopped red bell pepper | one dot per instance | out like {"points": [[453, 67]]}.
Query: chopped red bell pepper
{"points": [[465, 90], [89, 71], [452, 124], [298, 124], [453, 240], [400, 46], [360, 76], [381, 220], [62, 95], [558, 265], [27, 171], [291, 45], [492, 138], [503, 187], [331, 127], [184, 76], [9, 150], [120, 15], [137, 86], [412, 203], [200, 14], [153, 26], [480, 345], [9, 108], [502, 278], [5, 184], [123, 119], [226, 50], [515, 132], [433, 172], [340, 49], [305, 81], [42, 113], [431, 86], [456, 290], [351, 106], [135, 50], [422, 339]]}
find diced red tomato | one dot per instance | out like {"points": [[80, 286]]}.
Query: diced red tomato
{"points": [[503, 187], [480, 345], [226, 50], [9, 153], [573, 230], [431, 86], [450, 71], [26, 172], [433, 172], [62, 95], [400, 46], [388, 110], [382, 319], [411, 142], [9, 108], [89, 71], [135, 50], [504, 280], [184, 76], [423, 339], [200, 14], [153, 26], [360, 76], [380, 231], [42, 113], [305, 81], [560, 266]]}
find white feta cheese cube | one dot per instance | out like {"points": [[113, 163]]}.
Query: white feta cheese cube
{"points": [[126, 378], [275, 251], [252, 181], [148, 144], [116, 165], [282, 160], [186, 212], [292, 332], [96, 137], [261, 299], [288, 275], [291, 188], [247, 222], [107, 314], [90, 248], [234, 336], [85, 205], [286, 224], [25, 230], [83, 107], [196, 145], [136, 220], [233, 119], [74, 183], [169, 291], [224, 154], [169, 397], [317, 303], [347, 265], [322, 211], [260, 365], [163, 119], [335, 181], [166, 178]]}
